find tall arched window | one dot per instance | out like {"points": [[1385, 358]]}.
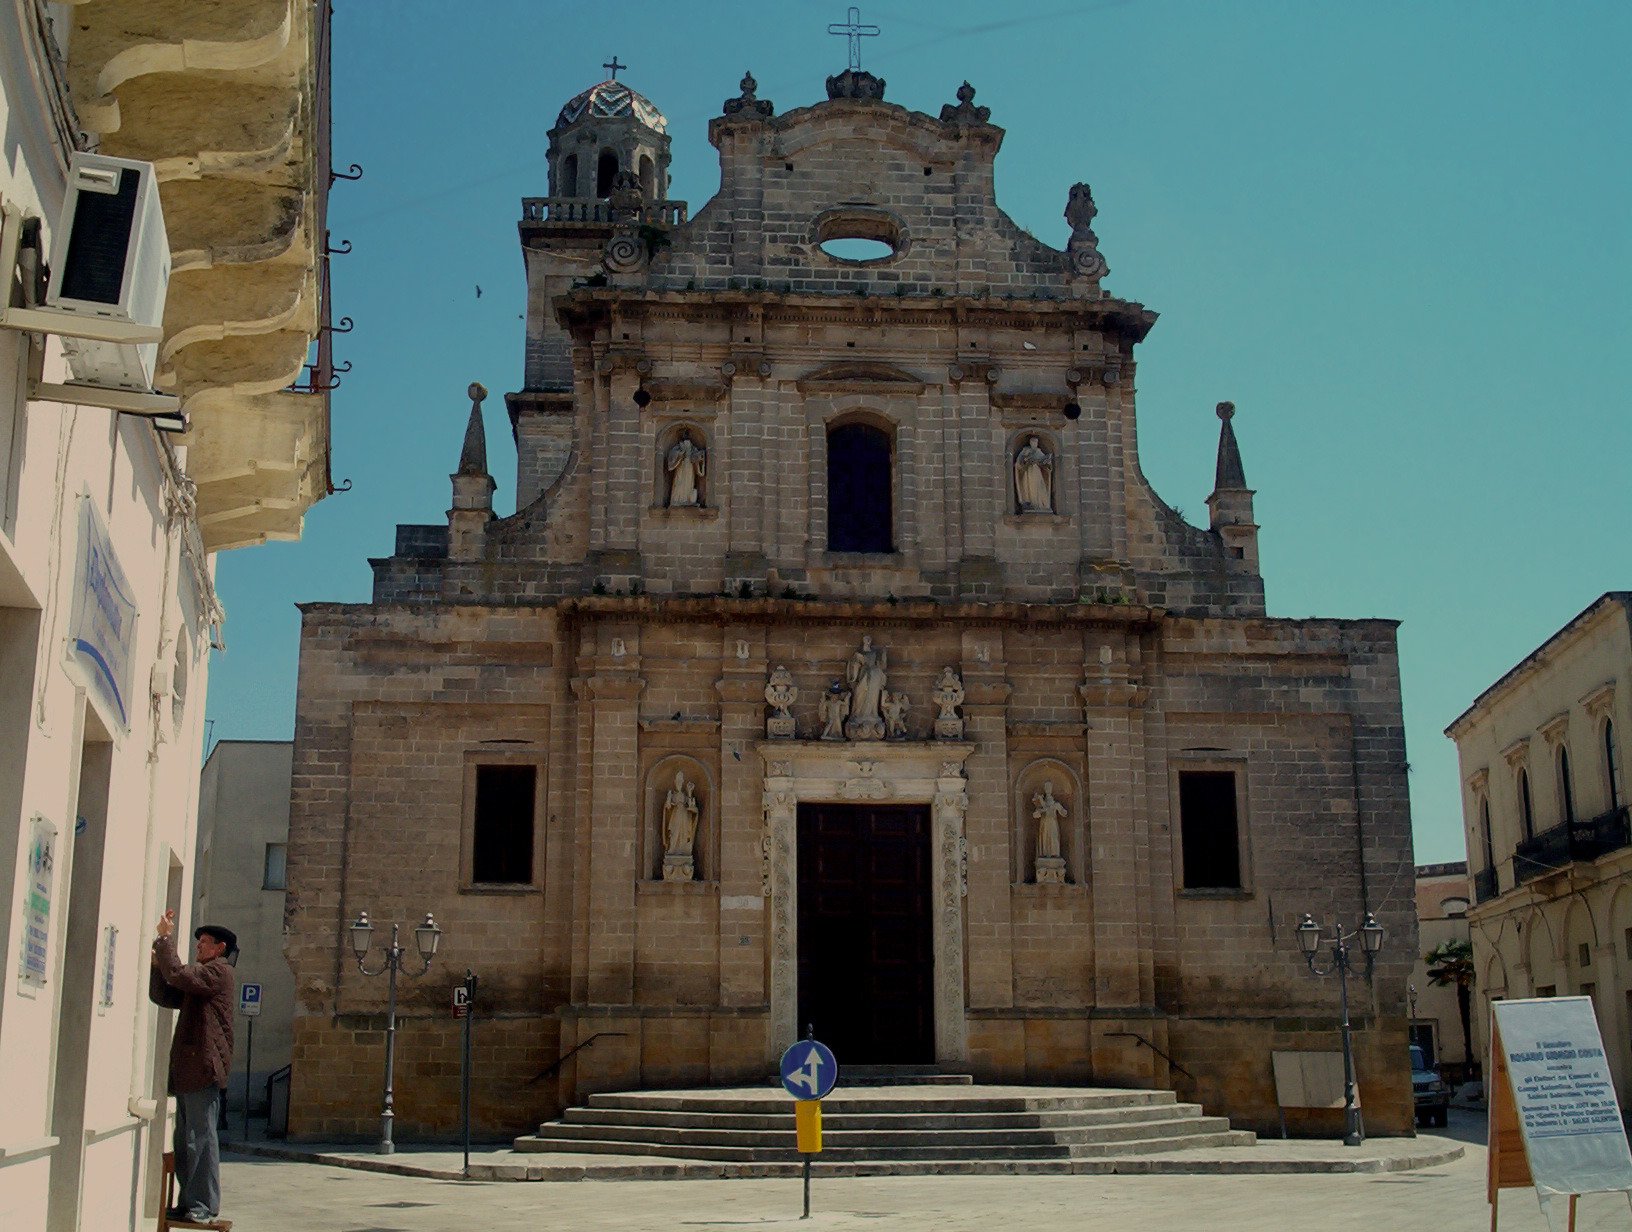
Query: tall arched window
{"points": [[1488, 847], [1527, 814], [1566, 789], [568, 185], [859, 516], [606, 170], [1612, 767]]}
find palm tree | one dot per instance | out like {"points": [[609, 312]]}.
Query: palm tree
{"points": [[1451, 962]]}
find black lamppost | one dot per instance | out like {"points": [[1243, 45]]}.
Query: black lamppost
{"points": [[1371, 940], [426, 937]]}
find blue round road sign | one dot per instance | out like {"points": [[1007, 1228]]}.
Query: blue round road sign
{"points": [[809, 1070]]}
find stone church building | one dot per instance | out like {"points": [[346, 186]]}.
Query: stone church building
{"points": [[838, 668]]}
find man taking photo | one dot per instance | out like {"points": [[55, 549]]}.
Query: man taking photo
{"points": [[200, 1056]]}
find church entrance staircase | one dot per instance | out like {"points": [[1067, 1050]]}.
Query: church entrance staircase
{"points": [[913, 1126]]}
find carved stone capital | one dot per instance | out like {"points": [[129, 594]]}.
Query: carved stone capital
{"points": [[1517, 753], [1113, 694]]}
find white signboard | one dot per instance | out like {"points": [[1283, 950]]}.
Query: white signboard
{"points": [[1563, 1096], [41, 858], [102, 626]]}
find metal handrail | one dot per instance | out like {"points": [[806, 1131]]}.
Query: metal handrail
{"points": [[555, 1066], [1172, 1064]]}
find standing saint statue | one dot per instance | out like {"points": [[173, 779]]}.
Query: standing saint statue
{"points": [[835, 709], [1047, 811], [679, 829], [865, 676], [686, 463], [1034, 478]]}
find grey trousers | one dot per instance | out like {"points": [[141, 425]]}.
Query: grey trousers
{"points": [[198, 1153]]}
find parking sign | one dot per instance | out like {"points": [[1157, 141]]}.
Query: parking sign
{"points": [[249, 1000]]}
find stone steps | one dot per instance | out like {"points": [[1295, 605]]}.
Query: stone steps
{"points": [[902, 1127]]}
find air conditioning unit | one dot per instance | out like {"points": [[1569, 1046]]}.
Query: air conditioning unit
{"points": [[110, 261]]}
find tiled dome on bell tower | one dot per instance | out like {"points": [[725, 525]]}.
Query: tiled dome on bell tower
{"points": [[607, 129]]}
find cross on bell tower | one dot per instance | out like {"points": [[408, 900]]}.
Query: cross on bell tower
{"points": [[613, 67], [855, 32]]}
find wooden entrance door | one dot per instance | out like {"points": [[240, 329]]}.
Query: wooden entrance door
{"points": [[866, 957]]}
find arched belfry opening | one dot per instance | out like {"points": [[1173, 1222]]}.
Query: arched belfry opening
{"points": [[568, 185], [606, 170], [859, 489]]}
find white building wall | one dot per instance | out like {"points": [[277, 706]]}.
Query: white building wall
{"points": [[82, 1073]]}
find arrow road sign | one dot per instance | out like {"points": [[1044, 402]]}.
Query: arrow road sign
{"points": [[809, 1070], [249, 1000]]}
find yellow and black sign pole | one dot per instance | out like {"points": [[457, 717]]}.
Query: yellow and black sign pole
{"points": [[809, 1071], [808, 1122]]}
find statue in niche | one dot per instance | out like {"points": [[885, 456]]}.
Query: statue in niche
{"points": [[686, 463], [1034, 478], [948, 696], [834, 709], [894, 707], [1046, 811], [780, 694], [865, 676], [680, 829]]}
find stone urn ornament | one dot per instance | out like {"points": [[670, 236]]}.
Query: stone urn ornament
{"points": [[780, 695]]}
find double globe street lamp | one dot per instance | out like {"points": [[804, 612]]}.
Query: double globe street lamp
{"points": [[1310, 940], [426, 938]]}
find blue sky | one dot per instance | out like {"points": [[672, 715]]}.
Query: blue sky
{"points": [[1394, 234]]}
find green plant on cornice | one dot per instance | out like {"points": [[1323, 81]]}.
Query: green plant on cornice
{"points": [[656, 239]]}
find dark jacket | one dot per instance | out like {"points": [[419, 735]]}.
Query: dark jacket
{"points": [[201, 1050]]}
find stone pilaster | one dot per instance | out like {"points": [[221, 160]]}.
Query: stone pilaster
{"points": [[611, 833], [987, 825], [742, 902]]}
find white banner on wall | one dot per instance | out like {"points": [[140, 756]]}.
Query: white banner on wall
{"points": [[102, 625]]}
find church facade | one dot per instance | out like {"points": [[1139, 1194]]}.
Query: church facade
{"points": [[839, 669]]}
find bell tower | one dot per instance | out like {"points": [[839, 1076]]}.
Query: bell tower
{"points": [[608, 161], [606, 130]]}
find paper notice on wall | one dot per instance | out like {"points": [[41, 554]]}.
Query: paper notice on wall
{"points": [[1564, 1096], [41, 862]]}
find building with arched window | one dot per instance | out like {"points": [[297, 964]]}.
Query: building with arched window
{"points": [[831, 540], [1549, 844]]}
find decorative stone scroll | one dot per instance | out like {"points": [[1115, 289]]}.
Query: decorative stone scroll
{"points": [[1083, 247], [780, 695]]}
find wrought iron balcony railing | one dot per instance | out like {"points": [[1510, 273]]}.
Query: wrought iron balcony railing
{"points": [[1484, 885], [579, 211], [1551, 850]]}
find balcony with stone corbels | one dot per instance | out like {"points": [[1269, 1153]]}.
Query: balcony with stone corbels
{"points": [[229, 101]]}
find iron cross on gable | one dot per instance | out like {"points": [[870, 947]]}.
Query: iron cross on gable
{"points": [[855, 32], [613, 68]]}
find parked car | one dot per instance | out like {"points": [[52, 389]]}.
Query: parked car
{"points": [[1432, 1094]]}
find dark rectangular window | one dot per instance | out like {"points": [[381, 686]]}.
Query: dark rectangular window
{"points": [[1209, 830], [275, 870], [502, 831]]}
